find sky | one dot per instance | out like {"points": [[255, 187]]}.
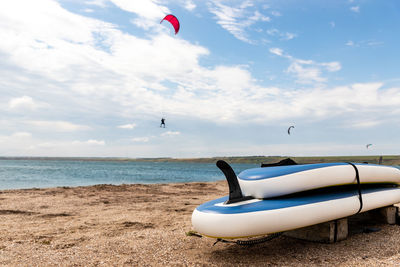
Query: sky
{"points": [[93, 78]]}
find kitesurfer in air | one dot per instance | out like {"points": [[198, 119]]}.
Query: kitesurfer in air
{"points": [[162, 123]]}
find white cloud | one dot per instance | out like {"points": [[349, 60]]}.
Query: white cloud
{"points": [[90, 142], [127, 126], [145, 8], [276, 51], [149, 12], [288, 36], [374, 43], [360, 98], [59, 148], [47, 40], [58, 126], [276, 13], [236, 19], [189, 5], [99, 3], [170, 133], [365, 124], [94, 58], [45, 145], [332, 66], [140, 139], [355, 9], [281, 35], [22, 135], [332, 23], [307, 71], [23, 102], [88, 10], [95, 142], [364, 43]]}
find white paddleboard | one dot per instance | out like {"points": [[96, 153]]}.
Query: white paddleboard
{"points": [[282, 180], [257, 217]]}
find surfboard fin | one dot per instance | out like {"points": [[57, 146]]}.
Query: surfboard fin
{"points": [[235, 193]]}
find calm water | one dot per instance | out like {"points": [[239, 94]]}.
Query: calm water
{"points": [[17, 174]]}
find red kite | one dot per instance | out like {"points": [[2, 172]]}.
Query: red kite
{"points": [[173, 20]]}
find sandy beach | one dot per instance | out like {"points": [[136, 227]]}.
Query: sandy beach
{"points": [[145, 225]]}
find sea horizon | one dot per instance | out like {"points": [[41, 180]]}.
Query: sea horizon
{"points": [[248, 158]]}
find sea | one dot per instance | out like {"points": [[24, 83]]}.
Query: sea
{"points": [[43, 173]]}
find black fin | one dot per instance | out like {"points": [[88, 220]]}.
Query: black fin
{"points": [[235, 193], [284, 162]]}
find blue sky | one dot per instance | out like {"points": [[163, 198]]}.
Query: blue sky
{"points": [[94, 78]]}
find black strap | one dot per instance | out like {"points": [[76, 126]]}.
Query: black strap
{"points": [[359, 186]]}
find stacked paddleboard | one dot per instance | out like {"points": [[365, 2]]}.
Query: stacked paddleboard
{"points": [[280, 198]]}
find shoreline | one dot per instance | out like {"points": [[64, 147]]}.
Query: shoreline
{"points": [[145, 224], [386, 159]]}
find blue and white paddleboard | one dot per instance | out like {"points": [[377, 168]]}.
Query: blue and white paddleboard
{"points": [[261, 200], [282, 180], [257, 217]]}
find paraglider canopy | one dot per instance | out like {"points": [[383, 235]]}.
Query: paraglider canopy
{"points": [[288, 130], [368, 145], [173, 20]]}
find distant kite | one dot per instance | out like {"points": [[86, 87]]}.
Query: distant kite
{"points": [[290, 128], [368, 145], [173, 20]]}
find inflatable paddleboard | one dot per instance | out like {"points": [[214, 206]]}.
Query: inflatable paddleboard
{"points": [[256, 217], [282, 180], [261, 200]]}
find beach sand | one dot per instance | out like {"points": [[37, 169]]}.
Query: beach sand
{"points": [[145, 225]]}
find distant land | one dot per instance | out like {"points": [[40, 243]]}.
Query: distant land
{"points": [[386, 159]]}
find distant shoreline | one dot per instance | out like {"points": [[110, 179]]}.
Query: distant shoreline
{"points": [[386, 159]]}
